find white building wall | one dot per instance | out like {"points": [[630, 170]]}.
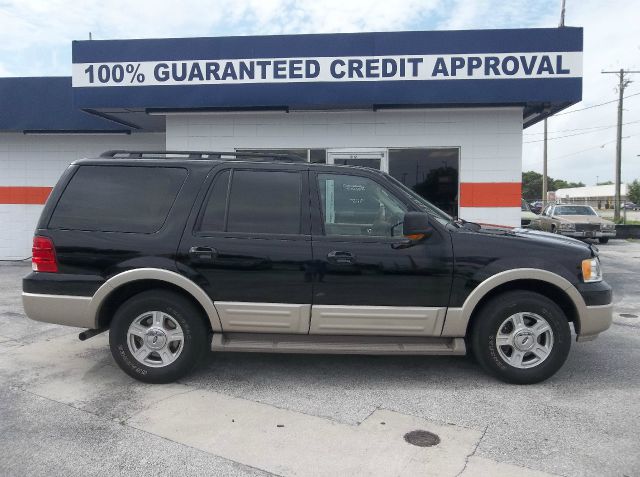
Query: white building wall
{"points": [[490, 140], [38, 161]]}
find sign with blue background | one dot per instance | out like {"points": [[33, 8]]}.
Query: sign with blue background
{"points": [[497, 67]]}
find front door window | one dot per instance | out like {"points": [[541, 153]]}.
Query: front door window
{"points": [[353, 205]]}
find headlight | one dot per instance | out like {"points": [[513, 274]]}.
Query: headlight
{"points": [[608, 226], [591, 271], [567, 226]]}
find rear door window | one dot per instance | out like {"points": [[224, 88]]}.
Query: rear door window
{"points": [[254, 202], [266, 202], [214, 213], [118, 198]]}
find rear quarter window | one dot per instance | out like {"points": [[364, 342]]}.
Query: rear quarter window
{"points": [[118, 199]]}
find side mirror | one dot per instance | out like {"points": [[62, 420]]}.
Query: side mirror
{"points": [[416, 226]]}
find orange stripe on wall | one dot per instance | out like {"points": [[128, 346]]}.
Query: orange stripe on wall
{"points": [[490, 194], [24, 195]]}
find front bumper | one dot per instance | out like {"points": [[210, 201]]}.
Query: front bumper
{"points": [[588, 234], [597, 313], [594, 320]]}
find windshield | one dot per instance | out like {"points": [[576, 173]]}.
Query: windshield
{"points": [[525, 206], [422, 203], [574, 210]]}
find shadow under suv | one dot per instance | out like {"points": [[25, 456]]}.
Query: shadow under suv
{"points": [[177, 253]]}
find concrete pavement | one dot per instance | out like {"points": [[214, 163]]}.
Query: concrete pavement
{"points": [[65, 407]]}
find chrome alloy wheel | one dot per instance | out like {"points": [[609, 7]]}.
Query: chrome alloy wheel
{"points": [[155, 339], [524, 340]]}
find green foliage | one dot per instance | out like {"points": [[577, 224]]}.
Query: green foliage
{"points": [[532, 185], [562, 184], [633, 191]]}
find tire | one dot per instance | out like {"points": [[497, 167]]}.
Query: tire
{"points": [[496, 322], [603, 240], [150, 324]]}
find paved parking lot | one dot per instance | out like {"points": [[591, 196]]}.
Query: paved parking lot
{"points": [[66, 409]]}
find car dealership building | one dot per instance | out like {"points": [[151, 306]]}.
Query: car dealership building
{"points": [[443, 112]]}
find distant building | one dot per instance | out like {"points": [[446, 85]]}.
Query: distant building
{"points": [[600, 197]]}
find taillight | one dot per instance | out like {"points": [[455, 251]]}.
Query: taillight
{"points": [[43, 255]]}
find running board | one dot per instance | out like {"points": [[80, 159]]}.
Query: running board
{"points": [[323, 344]]}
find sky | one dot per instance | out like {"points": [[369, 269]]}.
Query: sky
{"points": [[35, 40]]}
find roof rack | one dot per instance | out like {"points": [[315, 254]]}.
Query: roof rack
{"points": [[256, 156]]}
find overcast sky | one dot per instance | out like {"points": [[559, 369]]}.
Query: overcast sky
{"points": [[35, 40]]}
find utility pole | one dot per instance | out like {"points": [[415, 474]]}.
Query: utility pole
{"points": [[544, 167], [624, 82], [544, 153]]}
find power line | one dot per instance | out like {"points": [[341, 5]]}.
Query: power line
{"points": [[597, 146], [579, 129], [578, 133], [594, 105]]}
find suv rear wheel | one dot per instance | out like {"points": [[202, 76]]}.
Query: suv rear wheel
{"points": [[521, 337], [158, 336]]}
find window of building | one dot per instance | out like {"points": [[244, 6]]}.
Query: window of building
{"points": [[118, 199], [432, 173], [354, 205], [316, 156], [265, 202]]}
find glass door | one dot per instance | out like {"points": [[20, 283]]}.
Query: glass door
{"points": [[376, 158]]}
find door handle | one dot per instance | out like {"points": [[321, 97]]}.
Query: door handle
{"points": [[203, 253], [341, 258]]}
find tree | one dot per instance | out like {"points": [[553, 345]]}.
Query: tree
{"points": [[562, 184], [532, 185], [605, 183], [633, 191]]}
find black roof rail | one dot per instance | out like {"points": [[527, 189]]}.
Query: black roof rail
{"points": [[257, 156]]}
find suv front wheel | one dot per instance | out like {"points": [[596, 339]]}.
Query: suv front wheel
{"points": [[157, 336], [521, 337]]}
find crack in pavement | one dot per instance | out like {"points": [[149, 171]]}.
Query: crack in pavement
{"points": [[472, 453]]}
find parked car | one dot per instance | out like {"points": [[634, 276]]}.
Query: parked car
{"points": [[526, 216], [178, 253], [578, 221], [536, 207], [631, 206]]}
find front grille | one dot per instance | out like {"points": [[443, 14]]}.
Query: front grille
{"points": [[524, 222], [587, 227]]}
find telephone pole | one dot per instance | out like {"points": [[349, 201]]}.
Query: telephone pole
{"points": [[544, 167], [624, 82], [544, 150]]}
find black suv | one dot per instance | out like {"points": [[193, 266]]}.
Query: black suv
{"points": [[176, 253]]}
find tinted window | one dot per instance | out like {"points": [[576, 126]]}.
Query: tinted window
{"points": [[353, 205], [213, 217], [118, 199], [432, 173], [264, 202]]}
